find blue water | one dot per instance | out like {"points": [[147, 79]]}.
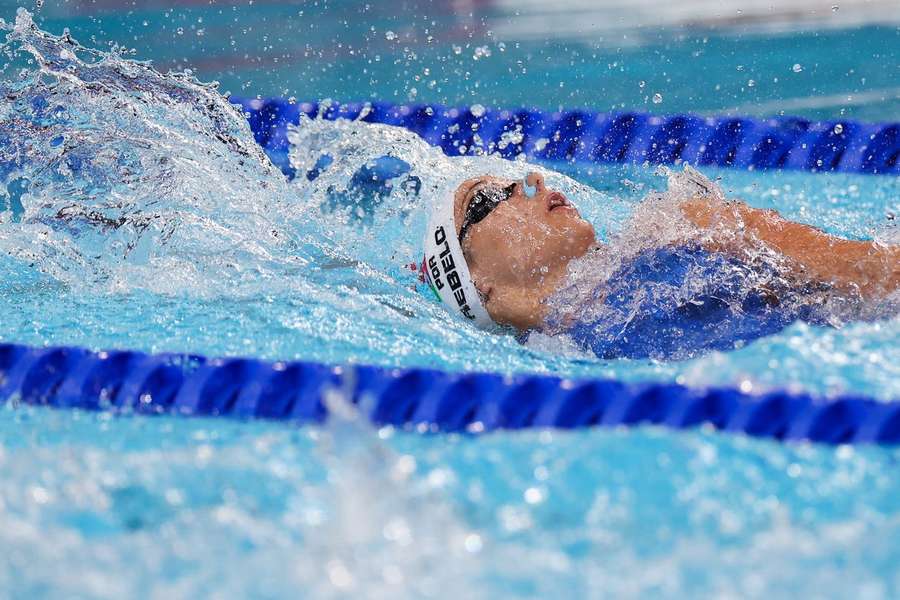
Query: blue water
{"points": [[138, 213], [100, 506], [720, 59]]}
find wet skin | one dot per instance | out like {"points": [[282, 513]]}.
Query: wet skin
{"points": [[519, 254]]}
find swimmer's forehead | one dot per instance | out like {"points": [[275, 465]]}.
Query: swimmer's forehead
{"points": [[466, 190]]}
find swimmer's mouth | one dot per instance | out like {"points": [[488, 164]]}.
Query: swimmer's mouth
{"points": [[556, 200]]}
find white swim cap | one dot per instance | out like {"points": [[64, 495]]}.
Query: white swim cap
{"points": [[444, 267]]}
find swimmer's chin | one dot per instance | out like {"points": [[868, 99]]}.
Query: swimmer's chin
{"points": [[583, 236]]}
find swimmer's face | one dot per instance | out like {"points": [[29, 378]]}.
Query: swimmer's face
{"points": [[521, 244]]}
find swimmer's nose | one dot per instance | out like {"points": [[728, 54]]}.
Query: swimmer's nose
{"points": [[536, 180], [534, 184]]}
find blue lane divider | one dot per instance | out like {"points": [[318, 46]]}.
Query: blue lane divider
{"points": [[422, 399], [583, 136]]}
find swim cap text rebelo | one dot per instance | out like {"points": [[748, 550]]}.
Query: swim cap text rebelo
{"points": [[444, 265]]}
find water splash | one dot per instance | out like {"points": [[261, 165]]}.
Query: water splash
{"points": [[153, 221], [127, 173], [137, 211], [352, 146], [659, 221]]}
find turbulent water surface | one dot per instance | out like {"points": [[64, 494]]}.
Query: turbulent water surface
{"points": [[137, 212], [100, 507]]}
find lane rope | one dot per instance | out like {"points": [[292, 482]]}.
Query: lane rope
{"points": [[425, 400], [580, 136]]}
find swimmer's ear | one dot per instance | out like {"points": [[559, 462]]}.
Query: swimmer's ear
{"points": [[484, 294]]}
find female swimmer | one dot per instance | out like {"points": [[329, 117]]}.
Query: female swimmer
{"points": [[519, 254]]}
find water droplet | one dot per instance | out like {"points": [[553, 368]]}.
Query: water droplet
{"points": [[751, 83], [403, 468], [339, 574], [481, 52], [657, 98], [834, 8], [641, 84], [180, 31], [477, 110], [390, 36], [838, 128], [797, 68], [534, 495]]}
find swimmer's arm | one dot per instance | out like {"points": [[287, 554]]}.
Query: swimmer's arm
{"points": [[870, 267]]}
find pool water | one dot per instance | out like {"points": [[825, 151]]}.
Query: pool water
{"points": [[101, 506], [718, 56], [138, 213]]}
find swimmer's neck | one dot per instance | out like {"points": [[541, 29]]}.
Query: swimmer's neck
{"points": [[528, 307]]}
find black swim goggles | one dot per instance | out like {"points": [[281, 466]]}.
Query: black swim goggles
{"points": [[482, 204]]}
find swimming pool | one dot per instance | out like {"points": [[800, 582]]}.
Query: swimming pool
{"points": [[221, 256]]}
